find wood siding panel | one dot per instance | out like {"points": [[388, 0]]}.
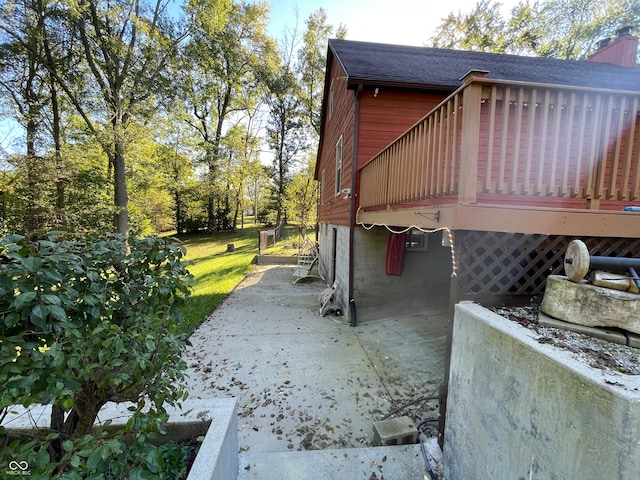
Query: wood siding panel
{"points": [[334, 208], [385, 117], [377, 128]]}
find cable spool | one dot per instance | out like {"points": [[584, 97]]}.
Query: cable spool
{"points": [[576, 261]]}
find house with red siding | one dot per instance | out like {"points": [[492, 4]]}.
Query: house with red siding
{"points": [[448, 175]]}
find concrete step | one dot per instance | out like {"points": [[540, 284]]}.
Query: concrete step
{"points": [[403, 462]]}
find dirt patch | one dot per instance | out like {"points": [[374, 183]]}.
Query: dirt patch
{"points": [[595, 352]]}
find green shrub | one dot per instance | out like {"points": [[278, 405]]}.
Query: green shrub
{"points": [[86, 322]]}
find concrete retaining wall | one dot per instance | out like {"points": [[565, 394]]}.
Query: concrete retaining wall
{"points": [[218, 455], [217, 419], [518, 409], [277, 259]]}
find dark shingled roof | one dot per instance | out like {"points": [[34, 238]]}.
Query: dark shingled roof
{"points": [[418, 67]]}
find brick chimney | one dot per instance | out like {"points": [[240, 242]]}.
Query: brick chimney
{"points": [[621, 51]]}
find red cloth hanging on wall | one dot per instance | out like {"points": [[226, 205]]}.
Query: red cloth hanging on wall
{"points": [[395, 253]]}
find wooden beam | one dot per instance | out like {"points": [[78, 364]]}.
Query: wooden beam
{"points": [[549, 221], [431, 217], [492, 218]]}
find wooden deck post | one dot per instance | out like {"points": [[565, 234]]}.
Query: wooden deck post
{"points": [[471, 103]]}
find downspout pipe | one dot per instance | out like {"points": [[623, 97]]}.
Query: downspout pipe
{"points": [[352, 208]]}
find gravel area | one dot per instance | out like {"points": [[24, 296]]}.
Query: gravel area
{"points": [[595, 352]]}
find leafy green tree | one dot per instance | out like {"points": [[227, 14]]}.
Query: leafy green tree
{"points": [[150, 182], [25, 85], [286, 132], [110, 62], [7, 179], [524, 34], [127, 45], [564, 29], [21, 66], [29, 206], [85, 324], [237, 152], [220, 84], [294, 98], [256, 186], [28, 198], [482, 29], [101, 79], [573, 27], [194, 207], [302, 196], [312, 59], [123, 47], [88, 186], [178, 179], [287, 129]]}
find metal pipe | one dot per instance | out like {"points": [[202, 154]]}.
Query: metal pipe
{"points": [[617, 263], [353, 321]]}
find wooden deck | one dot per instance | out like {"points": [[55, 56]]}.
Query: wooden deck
{"points": [[513, 157]]}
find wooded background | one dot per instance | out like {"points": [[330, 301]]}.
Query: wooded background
{"points": [[140, 116]]}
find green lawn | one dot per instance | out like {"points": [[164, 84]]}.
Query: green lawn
{"points": [[287, 245], [216, 271]]}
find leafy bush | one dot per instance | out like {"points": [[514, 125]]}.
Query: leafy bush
{"points": [[86, 322]]}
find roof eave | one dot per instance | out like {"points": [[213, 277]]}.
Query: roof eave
{"points": [[354, 82]]}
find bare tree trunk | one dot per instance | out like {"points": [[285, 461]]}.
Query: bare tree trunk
{"points": [[211, 211], [60, 190], [178, 200], [31, 221], [121, 199], [211, 198], [235, 215]]}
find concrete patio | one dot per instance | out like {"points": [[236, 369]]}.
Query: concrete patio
{"points": [[309, 387]]}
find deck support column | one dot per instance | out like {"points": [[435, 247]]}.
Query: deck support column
{"points": [[471, 104]]}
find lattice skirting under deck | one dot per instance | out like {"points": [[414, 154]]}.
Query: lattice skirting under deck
{"points": [[515, 264]]}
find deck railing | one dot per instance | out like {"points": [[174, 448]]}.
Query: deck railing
{"points": [[508, 138]]}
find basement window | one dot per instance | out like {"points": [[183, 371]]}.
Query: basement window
{"points": [[416, 241]]}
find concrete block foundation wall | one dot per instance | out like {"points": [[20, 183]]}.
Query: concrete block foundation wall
{"points": [[341, 253], [519, 409], [423, 285]]}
